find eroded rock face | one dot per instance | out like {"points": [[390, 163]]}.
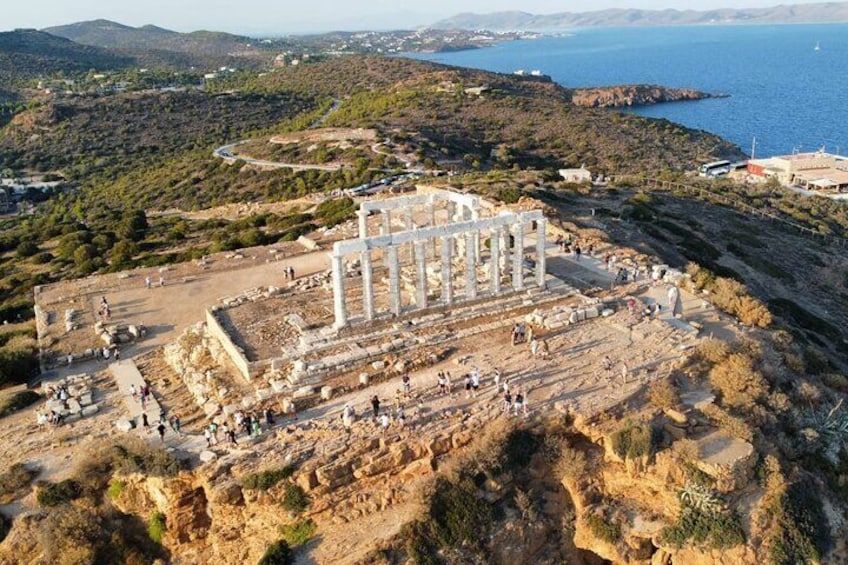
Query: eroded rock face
{"points": [[633, 95]]}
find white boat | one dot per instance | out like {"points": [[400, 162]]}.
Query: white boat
{"points": [[817, 47]]}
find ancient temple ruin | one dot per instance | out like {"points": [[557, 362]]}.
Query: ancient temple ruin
{"points": [[439, 229]]}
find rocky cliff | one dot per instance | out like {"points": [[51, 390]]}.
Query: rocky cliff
{"points": [[634, 95]]}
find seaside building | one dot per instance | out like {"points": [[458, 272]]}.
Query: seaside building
{"points": [[815, 172], [576, 175]]}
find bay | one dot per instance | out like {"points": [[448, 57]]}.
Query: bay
{"points": [[782, 91]]}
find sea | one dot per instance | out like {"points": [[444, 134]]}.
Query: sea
{"points": [[787, 85]]}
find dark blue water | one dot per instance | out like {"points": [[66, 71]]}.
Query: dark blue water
{"points": [[782, 91]]}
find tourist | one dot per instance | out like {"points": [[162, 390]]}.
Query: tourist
{"points": [[624, 372], [208, 435], [545, 350], [514, 333], [231, 434], [161, 429], [161, 281], [213, 427], [256, 429], [606, 363], [375, 406], [70, 358], [521, 332], [475, 381], [147, 281], [144, 423], [507, 400], [577, 252], [497, 380], [269, 417], [401, 417], [631, 306], [286, 272], [443, 383], [518, 405], [133, 392], [106, 354], [529, 332], [348, 416], [534, 347], [117, 354], [448, 383], [467, 385], [407, 385], [291, 273], [384, 423], [398, 399]]}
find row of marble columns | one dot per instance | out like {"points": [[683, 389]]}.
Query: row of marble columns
{"points": [[500, 264]]}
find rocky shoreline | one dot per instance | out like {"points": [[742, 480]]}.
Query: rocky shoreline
{"points": [[635, 95]]}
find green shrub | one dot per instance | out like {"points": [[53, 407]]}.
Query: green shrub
{"points": [[263, 480], [298, 533], [519, 448], [295, 499], [18, 401], [27, 248], [116, 487], [457, 516], [12, 483], [571, 463], [278, 553], [42, 258], [336, 211], [156, 527], [419, 543], [603, 528], [632, 440], [54, 494], [509, 195]]}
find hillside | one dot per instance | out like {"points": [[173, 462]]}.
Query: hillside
{"points": [[154, 44], [825, 12], [27, 53]]}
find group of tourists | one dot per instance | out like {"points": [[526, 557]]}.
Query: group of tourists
{"points": [[288, 272], [148, 281], [246, 423]]}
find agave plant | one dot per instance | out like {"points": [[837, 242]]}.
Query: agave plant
{"points": [[702, 498], [832, 428]]}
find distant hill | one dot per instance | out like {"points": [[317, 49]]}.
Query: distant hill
{"points": [[825, 12], [159, 45], [27, 53]]}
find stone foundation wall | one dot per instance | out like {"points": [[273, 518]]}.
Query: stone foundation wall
{"points": [[235, 353]]}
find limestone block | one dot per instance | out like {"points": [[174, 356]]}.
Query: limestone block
{"points": [[378, 365], [124, 425], [676, 416], [581, 314], [607, 312], [698, 399], [307, 480], [303, 391], [85, 399], [461, 438], [74, 406], [211, 408], [418, 468], [592, 312], [71, 417], [397, 343], [334, 475], [264, 394], [573, 317], [364, 379], [326, 392], [90, 410], [248, 401], [278, 385], [728, 460], [231, 409], [206, 456]]}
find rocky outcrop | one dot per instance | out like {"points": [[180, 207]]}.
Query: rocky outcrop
{"points": [[635, 95]]}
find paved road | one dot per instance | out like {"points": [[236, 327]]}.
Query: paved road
{"points": [[225, 152]]}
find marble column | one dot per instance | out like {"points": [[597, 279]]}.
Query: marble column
{"points": [[495, 262], [452, 218], [339, 308], [421, 271], [505, 250], [447, 265], [407, 225], [430, 212], [367, 285], [477, 255], [470, 268], [394, 280], [386, 225], [541, 263], [518, 256], [363, 223]]}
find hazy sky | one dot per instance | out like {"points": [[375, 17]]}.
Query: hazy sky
{"points": [[292, 16]]}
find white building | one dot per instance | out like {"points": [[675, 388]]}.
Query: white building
{"points": [[576, 175]]}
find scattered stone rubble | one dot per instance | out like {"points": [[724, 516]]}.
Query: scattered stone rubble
{"points": [[80, 402]]}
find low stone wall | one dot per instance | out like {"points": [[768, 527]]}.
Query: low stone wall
{"points": [[235, 353]]}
